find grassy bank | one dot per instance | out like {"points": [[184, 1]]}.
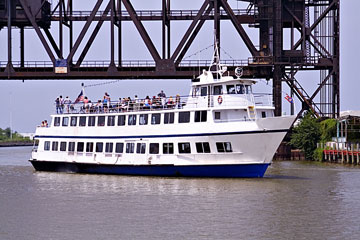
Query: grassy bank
{"points": [[8, 139]]}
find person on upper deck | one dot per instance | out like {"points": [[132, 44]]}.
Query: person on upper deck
{"points": [[61, 100], [58, 107], [177, 101], [86, 104], [162, 94], [67, 102]]}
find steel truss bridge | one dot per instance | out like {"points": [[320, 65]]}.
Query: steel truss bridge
{"points": [[313, 41]]}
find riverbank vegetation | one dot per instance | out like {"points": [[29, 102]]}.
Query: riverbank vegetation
{"points": [[6, 136], [311, 131]]}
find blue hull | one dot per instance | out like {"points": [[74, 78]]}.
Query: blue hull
{"points": [[218, 171]]}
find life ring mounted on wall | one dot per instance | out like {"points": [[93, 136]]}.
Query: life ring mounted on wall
{"points": [[220, 99]]}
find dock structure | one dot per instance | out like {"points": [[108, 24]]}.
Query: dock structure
{"points": [[351, 156], [292, 36], [345, 147]]}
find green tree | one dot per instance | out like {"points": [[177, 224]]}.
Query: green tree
{"points": [[328, 129], [306, 135], [7, 132]]}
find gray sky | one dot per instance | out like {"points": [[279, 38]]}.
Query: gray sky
{"points": [[26, 104]]}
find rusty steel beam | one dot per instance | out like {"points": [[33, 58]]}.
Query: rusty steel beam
{"points": [[31, 18], [83, 31], [322, 84], [317, 21], [190, 29], [53, 43], [191, 38], [240, 29], [142, 31], [92, 38]]}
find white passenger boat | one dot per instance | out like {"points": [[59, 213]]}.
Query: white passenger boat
{"points": [[221, 129]]}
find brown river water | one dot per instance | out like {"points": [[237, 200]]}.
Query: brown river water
{"points": [[295, 200]]}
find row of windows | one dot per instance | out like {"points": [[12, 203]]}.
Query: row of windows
{"points": [[120, 120], [154, 148], [218, 90]]}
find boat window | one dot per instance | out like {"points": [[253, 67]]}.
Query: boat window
{"points": [[65, 121], [240, 89], [140, 148], [154, 148], [121, 120], [101, 121], [168, 148], [224, 147], [248, 89], [143, 119], [155, 118], [132, 119], [109, 147], [71, 146], [263, 114], [80, 147], [195, 91], [63, 146], [99, 147], [230, 89], [184, 147], [91, 121], [82, 121], [57, 121], [200, 116], [89, 147], [55, 146], [169, 118], [111, 121], [47, 145], [218, 90], [217, 115], [203, 91], [119, 147], [130, 147], [203, 147], [184, 117], [73, 121]]}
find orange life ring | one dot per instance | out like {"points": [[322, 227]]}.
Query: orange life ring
{"points": [[220, 100]]}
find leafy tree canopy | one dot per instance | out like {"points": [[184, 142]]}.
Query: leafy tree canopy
{"points": [[306, 135]]}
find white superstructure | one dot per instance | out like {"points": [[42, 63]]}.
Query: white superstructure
{"points": [[220, 123]]}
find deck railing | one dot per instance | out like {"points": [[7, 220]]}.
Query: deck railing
{"points": [[136, 105]]}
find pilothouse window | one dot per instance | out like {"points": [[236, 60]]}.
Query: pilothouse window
{"points": [[218, 90], [203, 91], [230, 89], [240, 89]]}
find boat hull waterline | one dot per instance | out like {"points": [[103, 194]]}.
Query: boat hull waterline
{"points": [[219, 171]]}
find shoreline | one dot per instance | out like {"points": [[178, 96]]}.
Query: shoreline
{"points": [[16, 144]]}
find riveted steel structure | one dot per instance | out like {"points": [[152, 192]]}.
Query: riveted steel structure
{"points": [[312, 43]]}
